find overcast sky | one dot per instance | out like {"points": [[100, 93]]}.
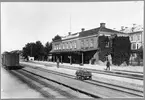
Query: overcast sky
{"points": [[25, 22]]}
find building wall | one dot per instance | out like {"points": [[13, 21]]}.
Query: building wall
{"points": [[71, 44], [110, 33], [87, 43], [136, 40]]}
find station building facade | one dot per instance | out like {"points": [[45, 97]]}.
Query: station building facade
{"points": [[87, 46]]}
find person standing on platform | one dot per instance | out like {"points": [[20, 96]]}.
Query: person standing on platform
{"points": [[108, 65], [57, 62]]}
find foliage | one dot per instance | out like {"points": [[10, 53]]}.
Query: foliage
{"points": [[36, 50], [104, 51], [121, 48], [47, 49]]}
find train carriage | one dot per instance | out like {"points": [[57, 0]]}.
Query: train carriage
{"points": [[10, 60]]}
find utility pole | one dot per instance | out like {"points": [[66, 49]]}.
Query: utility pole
{"points": [[70, 22], [31, 50]]}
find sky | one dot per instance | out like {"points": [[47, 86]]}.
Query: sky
{"points": [[25, 22]]}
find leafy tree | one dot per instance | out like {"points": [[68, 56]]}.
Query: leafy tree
{"points": [[29, 50], [40, 50], [48, 47], [121, 48], [35, 50]]}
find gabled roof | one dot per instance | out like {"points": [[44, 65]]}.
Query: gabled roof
{"points": [[96, 30], [89, 32], [135, 32], [70, 36]]}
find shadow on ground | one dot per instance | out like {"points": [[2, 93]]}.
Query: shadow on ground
{"points": [[13, 67]]}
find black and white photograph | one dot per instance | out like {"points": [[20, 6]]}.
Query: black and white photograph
{"points": [[72, 50]]}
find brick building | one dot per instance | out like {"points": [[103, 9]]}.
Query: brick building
{"points": [[86, 46]]}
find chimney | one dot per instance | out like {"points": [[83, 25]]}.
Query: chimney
{"points": [[126, 27], [102, 24], [83, 29], [134, 25], [69, 33], [122, 28]]}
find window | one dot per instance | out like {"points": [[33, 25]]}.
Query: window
{"points": [[91, 43], [137, 46], [131, 38], [133, 46], [58, 46], [61, 46], [75, 44], [70, 45], [82, 43], [138, 37], [86, 43], [54, 47], [66, 45]]}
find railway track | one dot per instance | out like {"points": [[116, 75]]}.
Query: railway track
{"points": [[117, 88], [50, 88], [112, 73], [133, 72]]}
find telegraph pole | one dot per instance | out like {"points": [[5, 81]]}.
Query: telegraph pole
{"points": [[70, 22], [31, 50]]}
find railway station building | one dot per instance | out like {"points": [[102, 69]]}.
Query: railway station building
{"points": [[85, 47]]}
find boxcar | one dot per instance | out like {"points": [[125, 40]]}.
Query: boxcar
{"points": [[10, 60]]}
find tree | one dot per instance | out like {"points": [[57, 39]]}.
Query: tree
{"points": [[121, 48], [40, 50], [35, 50], [48, 48], [29, 50]]}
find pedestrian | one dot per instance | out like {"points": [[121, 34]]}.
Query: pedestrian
{"points": [[57, 62], [108, 65]]}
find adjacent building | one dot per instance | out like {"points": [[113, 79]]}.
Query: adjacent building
{"points": [[136, 35], [86, 46]]}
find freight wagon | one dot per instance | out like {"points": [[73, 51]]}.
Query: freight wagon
{"points": [[10, 60]]}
